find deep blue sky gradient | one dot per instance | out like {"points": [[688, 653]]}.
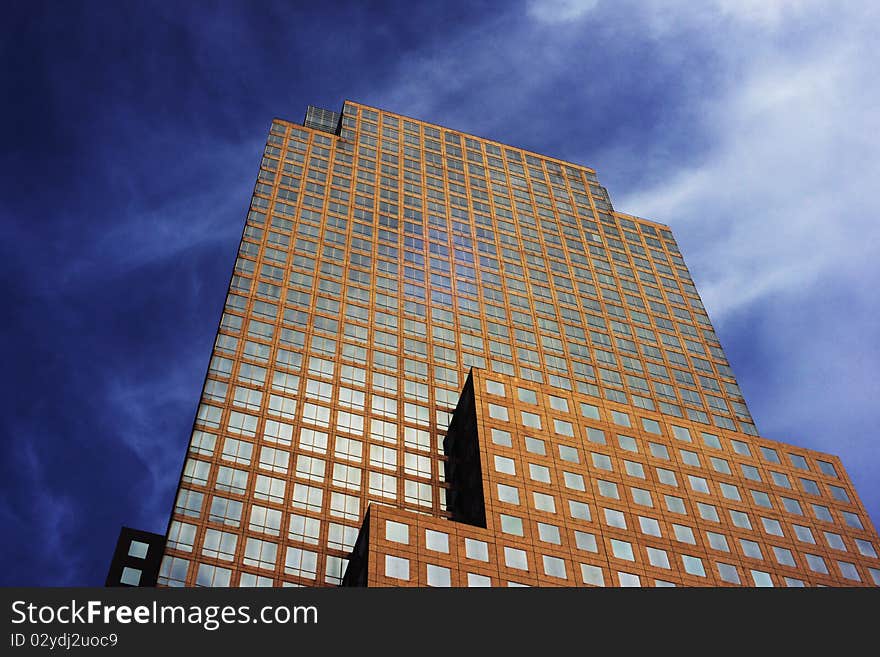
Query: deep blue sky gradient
{"points": [[131, 140]]}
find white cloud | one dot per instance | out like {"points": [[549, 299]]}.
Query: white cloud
{"points": [[768, 13], [786, 193], [560, 11]]}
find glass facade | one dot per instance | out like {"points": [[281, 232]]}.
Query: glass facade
{"points": [[383, 259]]}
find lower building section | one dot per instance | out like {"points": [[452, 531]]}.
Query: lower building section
{"points": [[136, 559], [546, 487], [581, 493]]}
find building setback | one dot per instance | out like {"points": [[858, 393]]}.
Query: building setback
{"points": [[445, 361]]}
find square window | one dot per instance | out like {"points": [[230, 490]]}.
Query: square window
{"points": [[803, 534], [138, 549], [866, 549], [772, 526], [438, 576], [595, 435], [728, 573], [474, 580], [549, 533], [622, 550], [718, 541], [783, 556], [810, 486], [530, 420], [574, 481], [751, 549], [760, 578], [675, 504], [131, 576], [822, 512], [515, 558], [651, 426], [740, 448], [770, 455], [684, 534], [601, 461], [511, 525], [628, 580], [396, 568], [614, 518], [544, 502], [590, 411], [579, 510], [816, 564], [538, 473], [667, 477], [569, 454], [436, 541], [627, 443], [558, 404], [698, 484], [495, 388], [693, 565], [563, 428], [761, 499], [307, 530], [730, 491], [498, 412], [849, 571], [780, 479], [554, 566], [585, 541], [835, 541], [593, 575], [642, 497], [509, 494], [852, 520], [620, 418], [501, 437], [740, 519], [708, 512], [505, 465], [792, 506], [634, 469], [477, 550], [608, 489], [649, 526], [657, 557], [720, 465], [527, 396], [838, 493], [750, 472]]}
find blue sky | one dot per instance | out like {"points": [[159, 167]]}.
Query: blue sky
{"points": [[131, 140]]}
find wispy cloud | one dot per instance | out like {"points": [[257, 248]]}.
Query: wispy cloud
{"points": [[559, 11], [784, 196], [45, 522]]}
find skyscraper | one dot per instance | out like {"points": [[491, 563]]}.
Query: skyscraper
{"points": [[448, 361]]}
